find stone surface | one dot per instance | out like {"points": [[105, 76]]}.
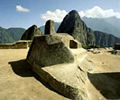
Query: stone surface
{"points": [[49, 50], [31, 32], [22, 44], [68, 79], [66, 38], [49, 28], [73, 25]]}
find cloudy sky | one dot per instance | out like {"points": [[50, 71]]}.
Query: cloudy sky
{"points": [[24, 13]]}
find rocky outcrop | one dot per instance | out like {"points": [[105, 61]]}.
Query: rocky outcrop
{"points": [[73, 25], [61, 62], [49, 28], [69, 79], [49, 50], [31, 32], [105, 40]]}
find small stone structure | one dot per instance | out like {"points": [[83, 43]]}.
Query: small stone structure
{"points": [[49, 28], [117, 46], [17, 45]]}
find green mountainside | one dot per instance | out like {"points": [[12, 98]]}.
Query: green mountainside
{"points": [[10, 35]]}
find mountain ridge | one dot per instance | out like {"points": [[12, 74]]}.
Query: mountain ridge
{"points": [[10, 35], [107, 25], [73, 25]]}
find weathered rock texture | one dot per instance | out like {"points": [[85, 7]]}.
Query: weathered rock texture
{"points": [[66, 38], [31, 32], [68, 79], [49, 50], [49, 28], [73, 25]]}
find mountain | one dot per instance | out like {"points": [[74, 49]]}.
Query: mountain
{"points": [[16, 33], [108, 25], [73, 25], [56, 27], [105, 40], [10, 35], [31, 32]]}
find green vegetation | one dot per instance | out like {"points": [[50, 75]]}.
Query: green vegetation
{"points": [[90, 46], [10, 35]]}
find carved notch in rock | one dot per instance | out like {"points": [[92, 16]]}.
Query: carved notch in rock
{"points": [[49, 27], [74, 44]]}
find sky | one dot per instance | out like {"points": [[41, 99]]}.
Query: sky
{"points": [[24, 13]]}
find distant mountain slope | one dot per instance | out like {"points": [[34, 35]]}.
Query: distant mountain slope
{"points": [[105, 40], [5, 37], [16, 33], [108, 25], [10, 35]]}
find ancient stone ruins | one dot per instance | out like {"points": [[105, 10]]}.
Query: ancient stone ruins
{"points": [[60, 61]]}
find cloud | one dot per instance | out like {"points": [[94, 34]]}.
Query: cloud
{"points": [[56, 15], [95, 12], [19, 8]]}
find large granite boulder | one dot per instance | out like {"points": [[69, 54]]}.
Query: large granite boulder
{"points": [[49, 50], [73, 25], [31, 32]]}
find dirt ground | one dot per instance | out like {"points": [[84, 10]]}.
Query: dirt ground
{"points": [[18, 82], [104, 82]]}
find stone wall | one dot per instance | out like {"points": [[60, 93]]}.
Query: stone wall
{"points": [[17, 45]]}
